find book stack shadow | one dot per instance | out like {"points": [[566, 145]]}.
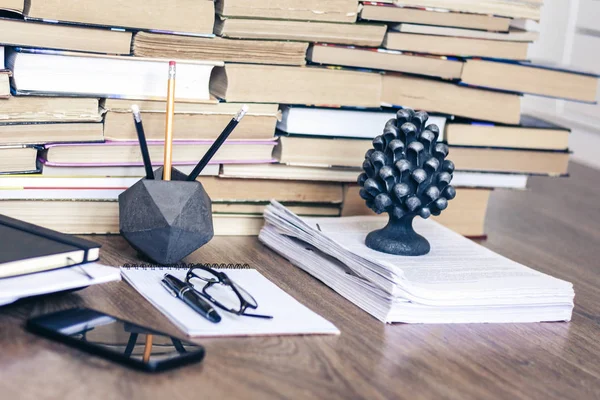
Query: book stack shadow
{"points": [[320, 79]]}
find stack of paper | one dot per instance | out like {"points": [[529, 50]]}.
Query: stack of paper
{"points": [[458, 281], [15, 288]]}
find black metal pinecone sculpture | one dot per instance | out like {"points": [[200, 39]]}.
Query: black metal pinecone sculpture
{"points": [[406, 174]]}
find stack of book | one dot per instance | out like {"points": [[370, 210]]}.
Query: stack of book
{"points": [[463, 62], [321, 79]]}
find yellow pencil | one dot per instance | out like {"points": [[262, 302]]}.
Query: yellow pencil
{"points": [[169, 123], [147, 348]]}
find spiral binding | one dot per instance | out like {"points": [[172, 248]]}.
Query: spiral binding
{"points": [[154, 267]]}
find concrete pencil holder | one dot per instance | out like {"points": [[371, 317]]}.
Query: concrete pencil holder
{"points": [[166, 220]]}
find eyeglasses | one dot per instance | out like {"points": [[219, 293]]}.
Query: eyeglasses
{"points": [[220, 290]]}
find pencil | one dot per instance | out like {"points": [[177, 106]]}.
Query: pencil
{"points": [[139, 127], [218, 143], [147, 348], [169, 123]]}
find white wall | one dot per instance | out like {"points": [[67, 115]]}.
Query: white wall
{"points": [[570, 34]]}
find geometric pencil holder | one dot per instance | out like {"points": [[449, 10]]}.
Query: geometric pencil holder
{"points": [[166, 220]]}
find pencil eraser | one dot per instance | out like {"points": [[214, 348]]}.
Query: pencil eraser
{"points": [[171, 63], [136, 113]]}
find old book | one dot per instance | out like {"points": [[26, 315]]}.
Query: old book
{"points": [[64, 37], [528, 9], [324, 152], [350, 175], [387, 60], [465, 213], [531, 133], [191, 16], [289, 172], [89, 75], [146, 44], [306, 10], [262, 190], [449, 98], [51, 132], [324, 210], [374, 11], [525, 77], [18, 159], [244, 191], [339, 122], [513, 35], [370, 35], [4, 84], [296, 85], [115, 171], [235, 203], [552, 163], [12, 5], [102, 217], [191, 121], [446, 45], [127, 152], [49, 109]]}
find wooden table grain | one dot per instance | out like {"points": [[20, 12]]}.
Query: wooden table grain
{"points": [[554, 227]]}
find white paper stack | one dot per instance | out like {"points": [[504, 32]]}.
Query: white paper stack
{"points": [[459, 281]]}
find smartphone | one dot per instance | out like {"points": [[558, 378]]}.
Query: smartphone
{"points": [[117, 340]]}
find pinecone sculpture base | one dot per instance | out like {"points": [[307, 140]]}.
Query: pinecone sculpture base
{"points": [[406, 174], [398, 237]]}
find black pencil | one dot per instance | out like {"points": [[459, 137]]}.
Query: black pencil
{"points": [[217, 144], [137, 119]]}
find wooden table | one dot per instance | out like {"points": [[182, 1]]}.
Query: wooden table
{"points": [[555, 228]]}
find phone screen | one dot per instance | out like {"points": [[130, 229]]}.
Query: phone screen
{"points": [[126, 341]]}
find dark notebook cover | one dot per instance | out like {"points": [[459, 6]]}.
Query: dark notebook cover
{"points": [[21, 240]]}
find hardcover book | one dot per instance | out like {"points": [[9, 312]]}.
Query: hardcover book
{"points": [[64, 37], [190, 16], [386, 60], [305, 10], [26, 248], [533, 78], [385, 12], [127, 153], [360, 34], [530, 133], [296, 85], [89, 75]]}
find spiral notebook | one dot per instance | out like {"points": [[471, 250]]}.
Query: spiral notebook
{"points": [[290, 317]]}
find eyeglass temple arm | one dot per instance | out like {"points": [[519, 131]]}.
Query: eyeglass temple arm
{"points": [[257, 316]]}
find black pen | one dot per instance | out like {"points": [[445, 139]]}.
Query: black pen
{"points": [[186, 293], [218, 143], [137, 120]]}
